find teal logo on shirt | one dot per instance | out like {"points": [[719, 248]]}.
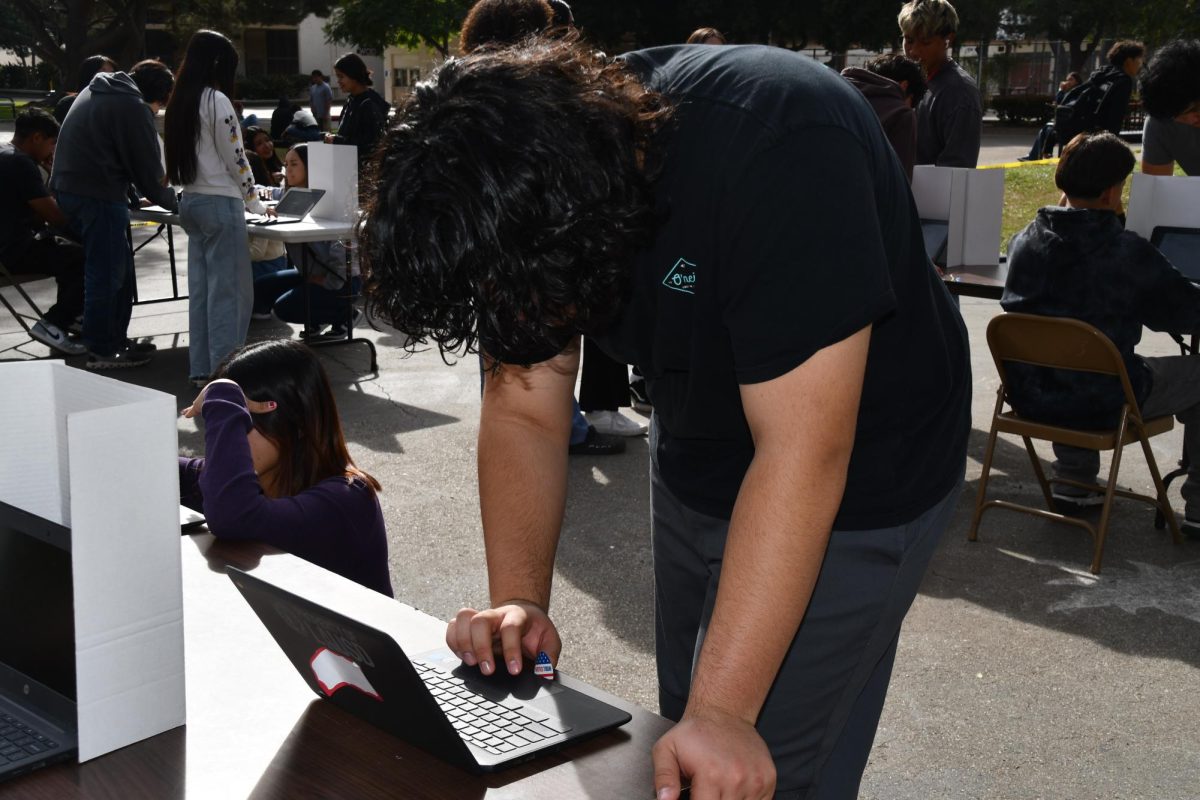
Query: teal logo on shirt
{"points": [[682, 277]]}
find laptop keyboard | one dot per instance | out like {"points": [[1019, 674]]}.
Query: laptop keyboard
{"points": [[482, 722], [18, 741]]}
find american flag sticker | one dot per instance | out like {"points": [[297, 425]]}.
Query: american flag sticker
{"points": [[543, 667]]}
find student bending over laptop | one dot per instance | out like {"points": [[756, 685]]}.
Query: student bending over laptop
{"points": [[1078, 261], [276, 467]]}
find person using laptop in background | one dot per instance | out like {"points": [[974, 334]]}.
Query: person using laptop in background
{"points": [[1078, 261], [1171, 97], [205, 156], [276, 468], [333, 279], [27, 244]]}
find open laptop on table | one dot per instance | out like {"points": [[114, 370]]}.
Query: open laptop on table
{"points": [[294, 206], [38, 720], [431, 700], [1181, 246]]}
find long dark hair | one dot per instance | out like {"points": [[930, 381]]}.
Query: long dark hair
{"points": [[305, 424], [210, 62]]}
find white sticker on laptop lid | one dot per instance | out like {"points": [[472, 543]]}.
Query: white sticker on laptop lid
{"points": [[334, 671]]}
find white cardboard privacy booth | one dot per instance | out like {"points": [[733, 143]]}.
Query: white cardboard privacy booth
{"points": [[98, 456], [334, 168], [972, 202], [1162, 200]]}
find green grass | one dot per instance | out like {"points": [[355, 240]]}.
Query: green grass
{"points": [[7, 113]]}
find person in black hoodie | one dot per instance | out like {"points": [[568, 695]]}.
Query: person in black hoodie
{"points": [[108, 142], [1124, 63], [1078, 261], [365, 114], [893, 85]]}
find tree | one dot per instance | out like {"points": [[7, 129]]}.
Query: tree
{"points": [[1081, 25], [64, 32], [1159, 21], [378, 24]]}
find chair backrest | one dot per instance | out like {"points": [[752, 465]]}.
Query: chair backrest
{"points": [[1058, 343]]}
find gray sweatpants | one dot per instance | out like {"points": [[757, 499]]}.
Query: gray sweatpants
{"points": [[820, 716]]}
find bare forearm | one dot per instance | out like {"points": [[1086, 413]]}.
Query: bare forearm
{"points": [[522, 493], [776, 543]]}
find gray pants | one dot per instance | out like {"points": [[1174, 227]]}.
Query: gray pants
{"points": [[820, 716], [1175, 390]]}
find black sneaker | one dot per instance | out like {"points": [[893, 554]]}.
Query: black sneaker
{"points": [[338, 329], [119, 360], [1076, 503], [637, 394], [598, 444], [1190, 528], [143, 345]]}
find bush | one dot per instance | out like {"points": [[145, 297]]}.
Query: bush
{"points": [[271, 87], [15, 76], [1034, 108]]}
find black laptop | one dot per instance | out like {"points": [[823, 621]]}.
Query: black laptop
{"points": [[38, 719], [294, 206], [480, 723], [1181, 246], [936, 232]]}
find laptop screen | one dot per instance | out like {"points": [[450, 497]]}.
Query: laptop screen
{"points": [[37, 628], [935, 232], [298, 202], [1181, 246]]}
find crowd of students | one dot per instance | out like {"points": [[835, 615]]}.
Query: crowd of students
{"points": [[788, 546]]}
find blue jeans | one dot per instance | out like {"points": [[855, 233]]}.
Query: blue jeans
{"points": [[286, 288], [103, 226], [220, 286]]}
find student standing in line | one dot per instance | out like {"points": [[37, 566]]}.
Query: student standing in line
{"points": [[320, 99], [1171, 97], [206, 157], [364, 117], [276, 468], [87, 70], [950, 117]]}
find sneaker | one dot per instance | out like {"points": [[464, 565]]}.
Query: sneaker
{"points": [[119, 360], [143, 345], [637, 393], [1070, 500], [76, 326], [198, 381], [338, 329], [597, 444], [56, 338], [260, 315], [614, 423]]}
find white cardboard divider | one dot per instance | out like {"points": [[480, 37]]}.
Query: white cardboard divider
{"points": [[1156, 200], [334, 168], [98, 456], [972, 202]]}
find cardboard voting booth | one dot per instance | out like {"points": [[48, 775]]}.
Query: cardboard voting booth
{"points": [[972, 202], [1162, 200], [98, 456], [334, 168]]}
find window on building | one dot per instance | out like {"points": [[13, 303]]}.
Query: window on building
{"points": [[406, 78]]}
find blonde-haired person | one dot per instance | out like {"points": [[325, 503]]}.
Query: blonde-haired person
{"points": [[706, 36], [950, 116]]}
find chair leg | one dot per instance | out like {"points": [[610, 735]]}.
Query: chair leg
{"points": [[1106, 509], [989, 451], [1160, 487], [1040, 473]]}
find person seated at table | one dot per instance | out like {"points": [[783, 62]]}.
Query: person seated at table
{"points": [[27, 245], [260, 152], [1078, 261], [281, 117], [276, 468], [1043, 143], [330, 293], [304, 128]]}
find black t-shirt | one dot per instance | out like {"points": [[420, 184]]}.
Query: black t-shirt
{"points": [[790, 225], [22, 182]]}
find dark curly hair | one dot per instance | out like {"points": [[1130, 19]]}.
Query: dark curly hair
{"points": [[503, 22], [1171, 81], [1124, 50], [510, 198], [898, 68]]}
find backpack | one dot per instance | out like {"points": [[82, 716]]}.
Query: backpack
{"points": [[1079, 111]]}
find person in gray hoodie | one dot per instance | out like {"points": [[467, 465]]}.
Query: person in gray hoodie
{"points": [[107, 143]]}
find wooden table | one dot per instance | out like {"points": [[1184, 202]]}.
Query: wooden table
{"points": [[255, 729]]}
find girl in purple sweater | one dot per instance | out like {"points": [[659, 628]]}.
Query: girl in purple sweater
{"points": [[276, 468]]}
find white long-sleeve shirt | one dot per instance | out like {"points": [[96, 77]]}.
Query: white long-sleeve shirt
{"points": [[221, 164]]}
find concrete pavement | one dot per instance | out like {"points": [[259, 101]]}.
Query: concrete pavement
{"points": [[1019, 674]]}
